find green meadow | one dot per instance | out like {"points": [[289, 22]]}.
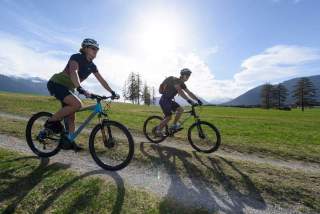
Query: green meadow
{"points": [[281, 134]]}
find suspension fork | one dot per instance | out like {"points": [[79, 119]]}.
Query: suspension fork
{"points": [[104, 136], [200, 131]]}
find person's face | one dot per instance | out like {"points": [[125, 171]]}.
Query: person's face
{"points": [[91, 52], [185, 78]]}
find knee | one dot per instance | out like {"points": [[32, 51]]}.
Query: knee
{"points": [[77, 105]]}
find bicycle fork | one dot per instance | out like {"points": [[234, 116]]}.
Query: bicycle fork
{"points": [[107, 141], [200, 131]]}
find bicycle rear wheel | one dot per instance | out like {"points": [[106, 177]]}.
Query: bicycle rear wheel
{"points": [[42, 142], [111, 145], [204, 137], [149, 127]]}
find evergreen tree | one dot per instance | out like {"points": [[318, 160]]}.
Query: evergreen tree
{"points": [[266, 96], [146, 94], [304, 93]]}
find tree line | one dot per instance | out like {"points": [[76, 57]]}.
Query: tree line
{"points": [[275, 96], [137, 91]]}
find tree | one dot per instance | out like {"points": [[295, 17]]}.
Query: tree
{"points": [[132, 88], [153, 96], [146, 95], [266, 96], [129, 91], [304, 93], [279, 95], [137, 90]]}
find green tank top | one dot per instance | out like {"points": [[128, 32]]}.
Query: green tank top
{"points": [[63, 79]]}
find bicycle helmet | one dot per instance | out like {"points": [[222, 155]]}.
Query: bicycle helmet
{"points": [[89, 42], [185, 71]]}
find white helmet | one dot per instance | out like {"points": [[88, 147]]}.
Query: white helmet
{"points": [[185, 71], [89, 42]]}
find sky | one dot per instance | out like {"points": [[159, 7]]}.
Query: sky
{"points": [[230, 45]]}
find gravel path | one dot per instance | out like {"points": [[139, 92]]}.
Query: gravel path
{"points": [[174, 143]]}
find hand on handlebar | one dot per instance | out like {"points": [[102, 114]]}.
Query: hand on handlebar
{"points": [[114, 95], [84, 92]]}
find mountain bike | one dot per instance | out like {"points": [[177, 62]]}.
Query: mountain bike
{"points": [[110, 143], [203, 136]]}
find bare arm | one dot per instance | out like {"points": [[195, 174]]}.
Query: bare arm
{"points": [[181, 92], [191, 94], [73, 67], [102, 81]]}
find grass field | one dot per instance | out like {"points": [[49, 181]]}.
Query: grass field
{"points": [[282, 134], [288, 135], [30, 185]]}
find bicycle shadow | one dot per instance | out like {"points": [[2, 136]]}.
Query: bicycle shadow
{"points": [[86, 198], [17, 190], [21, 186], [250, 196], [192, 183]]}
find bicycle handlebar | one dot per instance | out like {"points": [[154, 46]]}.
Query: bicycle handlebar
{"points": [[98, 97]]}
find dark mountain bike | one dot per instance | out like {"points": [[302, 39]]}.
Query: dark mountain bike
{"points": [[203, 136], [111, 144]]}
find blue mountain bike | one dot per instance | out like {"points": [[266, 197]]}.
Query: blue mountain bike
{"points": [[110, 143]]}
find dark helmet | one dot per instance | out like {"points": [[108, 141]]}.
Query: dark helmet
{"points": [[185, 71], [89, 42]]}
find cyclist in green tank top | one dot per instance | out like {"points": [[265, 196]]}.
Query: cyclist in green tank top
{"points": [[62, 85]]}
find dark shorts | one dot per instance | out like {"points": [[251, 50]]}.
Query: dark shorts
{"points": [[59, 91], [168, 106]]}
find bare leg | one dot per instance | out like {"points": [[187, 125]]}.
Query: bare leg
{"points": [[71, 123], [178, 115], [164, 122], [73, 105]]}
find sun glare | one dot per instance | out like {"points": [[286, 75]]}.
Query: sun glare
{"points": [[160, 34]]}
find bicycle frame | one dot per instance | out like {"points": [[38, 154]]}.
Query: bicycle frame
{"points": [[96, 109], [192, 113]]}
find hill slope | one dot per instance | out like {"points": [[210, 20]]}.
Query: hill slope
{"points": [[252, 97]]}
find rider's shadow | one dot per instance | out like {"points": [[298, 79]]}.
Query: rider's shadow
{"points": [[247, 195], [87, 197], [206, 193], [18, 187]]}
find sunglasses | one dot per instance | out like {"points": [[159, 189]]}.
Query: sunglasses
{"points": [[93, 48]]}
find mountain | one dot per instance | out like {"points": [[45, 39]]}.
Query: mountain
{"points": [[33, 85], [252, 97], [182, 101]]}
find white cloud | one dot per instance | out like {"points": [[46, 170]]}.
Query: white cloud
{"points": [[18, 59], [275, 63]]}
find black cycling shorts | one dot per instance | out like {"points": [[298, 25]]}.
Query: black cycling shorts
{"points": [[168, 106], [59, 91]]}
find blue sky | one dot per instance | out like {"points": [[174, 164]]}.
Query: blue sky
{"points": [[231, 45]]}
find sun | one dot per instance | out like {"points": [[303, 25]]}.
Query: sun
{"points": [[160, 34]]}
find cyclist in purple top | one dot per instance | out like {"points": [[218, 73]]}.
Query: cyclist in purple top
{"points": [[169, 88]]}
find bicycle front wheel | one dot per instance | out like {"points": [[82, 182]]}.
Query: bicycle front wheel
{"points": [[111, 145], [204, 137]]}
